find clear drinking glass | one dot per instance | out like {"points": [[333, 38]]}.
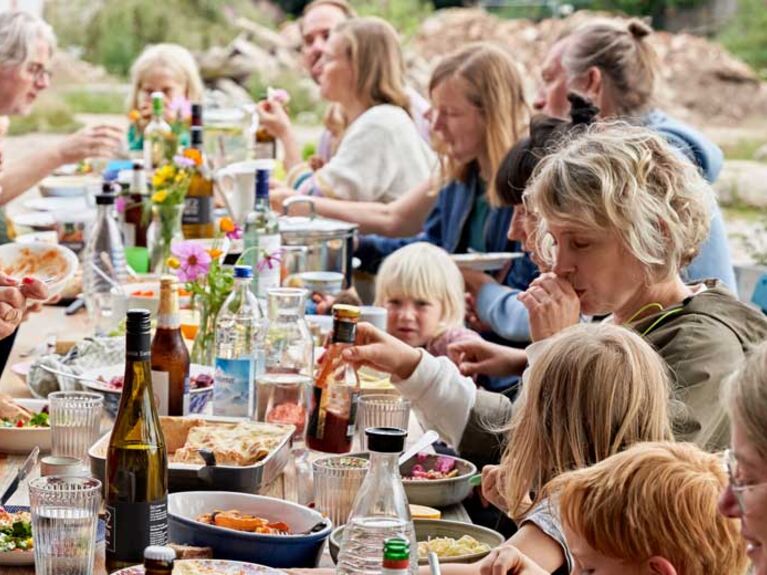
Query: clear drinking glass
{"points": [[381, 411], [336, 483], [292, 265], [75, 418], [285, 346], [64, 520]]}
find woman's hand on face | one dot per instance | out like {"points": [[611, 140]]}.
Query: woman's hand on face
{"points": [[480, 357], [508, 560], [93, 142], [552, 304], [278, 195], [383, 352], [273, 117], [491, 475]]}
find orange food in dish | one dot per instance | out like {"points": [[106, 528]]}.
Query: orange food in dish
{"points": [[239, 521]]}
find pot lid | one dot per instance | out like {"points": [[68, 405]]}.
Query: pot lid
{"points": [[299, 227]]}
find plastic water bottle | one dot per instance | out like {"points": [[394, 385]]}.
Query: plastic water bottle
{"points": [[380, 509], [237, 327], [104, 265]]}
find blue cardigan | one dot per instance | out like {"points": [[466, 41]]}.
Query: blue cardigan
{"points": [[447, 226]]}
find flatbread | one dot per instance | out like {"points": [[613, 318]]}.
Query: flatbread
{"points": [[241, 444]]}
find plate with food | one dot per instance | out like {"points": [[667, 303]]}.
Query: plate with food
{"points": [[208, 567], [245, 527], [452, 541], [24, 425], [16, 543], [108, 381], [215, 453], [484, 262], [53, 265]]}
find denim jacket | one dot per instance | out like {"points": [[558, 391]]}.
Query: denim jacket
{"points": [[447, 226]]}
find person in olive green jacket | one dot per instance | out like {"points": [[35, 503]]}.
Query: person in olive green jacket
{"points": [[618, 214]]}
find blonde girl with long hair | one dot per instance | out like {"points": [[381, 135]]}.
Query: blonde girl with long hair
{"points": [[167, 68], [381, 154]]}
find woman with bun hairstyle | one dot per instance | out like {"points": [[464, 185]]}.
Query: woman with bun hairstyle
{"points": [[613, 64]]}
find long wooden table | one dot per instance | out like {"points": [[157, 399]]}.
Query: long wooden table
{"points": [[52, 321]]}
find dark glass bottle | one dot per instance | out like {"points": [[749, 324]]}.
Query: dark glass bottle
{"points": [[170, 356], [137, 460], [197, 221], [158, 560]]}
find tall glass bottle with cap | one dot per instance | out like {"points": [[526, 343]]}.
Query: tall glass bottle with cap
{"points": [[262, 240], [103, 263], [137, 460], [170, 356], [197, 221], [380, 511], [159, 139], [237, 327], [336, 389]]}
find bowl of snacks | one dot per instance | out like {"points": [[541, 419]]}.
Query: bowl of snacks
{"points": [[24, 425], [146, 294], [108, 381], [52, 265], [452, 541], [437, 480], [244, 527]]}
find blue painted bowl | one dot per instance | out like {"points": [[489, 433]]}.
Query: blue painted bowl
{"points": [[198, 398], [287, 551]]}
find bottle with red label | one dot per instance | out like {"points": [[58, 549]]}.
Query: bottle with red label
{"points": [[336, 389]]}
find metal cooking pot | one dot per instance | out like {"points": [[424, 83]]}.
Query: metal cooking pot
{"points": [[329, 243]]}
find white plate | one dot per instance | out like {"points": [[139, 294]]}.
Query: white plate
{"points": [[211, 567], [47, 237], [78, 204], [110, 371], [35, 220], [484, 262], [56, 278], [24, 439], [69, 186], [21, 369]]}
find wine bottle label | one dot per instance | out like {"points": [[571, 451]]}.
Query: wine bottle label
{"points": [[132, 527], [161, 389], [139, 354], [198, 210], [267, 267], [233, 394]]}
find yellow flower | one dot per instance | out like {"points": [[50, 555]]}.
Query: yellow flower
{"points": [[159, 197], [215, 253], [180, 177], [173, 263], [134, 116], [226, 225]]}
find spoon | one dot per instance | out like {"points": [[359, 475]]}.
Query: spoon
{"points": [[424, 441]]}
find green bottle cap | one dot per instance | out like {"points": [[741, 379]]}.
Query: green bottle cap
{"points": [[158, 101], [396, 549]]}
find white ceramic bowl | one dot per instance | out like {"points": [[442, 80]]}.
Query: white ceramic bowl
{"points": [[69, 186], [56, 275], [24, 439], [273, 550]]}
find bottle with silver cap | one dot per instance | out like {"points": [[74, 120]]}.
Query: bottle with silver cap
{"points": [[158, 560]]}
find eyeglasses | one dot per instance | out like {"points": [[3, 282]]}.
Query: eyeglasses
{"points": [[39, 72], [738, 488]]}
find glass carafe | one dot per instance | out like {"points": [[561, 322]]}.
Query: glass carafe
{"points": [[285, 353], [380, 509]]}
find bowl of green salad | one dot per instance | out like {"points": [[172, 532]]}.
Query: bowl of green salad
{"points": [[24, 425]]}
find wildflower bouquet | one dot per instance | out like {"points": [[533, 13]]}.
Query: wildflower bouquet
{"points": [[209, 283], [170, 183]]}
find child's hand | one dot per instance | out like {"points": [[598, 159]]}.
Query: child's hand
{"points": [[507, 559], [480, 357], [383, 352]]}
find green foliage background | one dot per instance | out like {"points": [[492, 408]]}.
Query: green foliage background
{"points": [[746, 34]]}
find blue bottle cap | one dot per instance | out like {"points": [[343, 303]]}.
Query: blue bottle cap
{"points": [[262, 183], [243, 272]]}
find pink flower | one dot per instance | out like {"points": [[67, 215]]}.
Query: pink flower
{"points": [[194, 260], [183, 161], [180, 107], [235, 234], [120, 204], [277, 95]]}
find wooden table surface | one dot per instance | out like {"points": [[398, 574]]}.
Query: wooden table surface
{"points": [[52, 321]]}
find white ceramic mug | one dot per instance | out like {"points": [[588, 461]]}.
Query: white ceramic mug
{"points": [[238, 182], [374, 315]]}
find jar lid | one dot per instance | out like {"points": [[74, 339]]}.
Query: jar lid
{"points": [[159, 553], [386, 439], [297, 229]]}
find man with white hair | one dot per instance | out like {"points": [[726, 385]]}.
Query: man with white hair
{"points": [[26, 48]]}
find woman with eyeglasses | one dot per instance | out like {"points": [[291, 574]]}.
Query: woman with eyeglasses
{"points": [[745, 498], [26, 50]]}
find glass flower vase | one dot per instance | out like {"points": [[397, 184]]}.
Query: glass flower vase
{"points": [[163, 232], [204, 345]]}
